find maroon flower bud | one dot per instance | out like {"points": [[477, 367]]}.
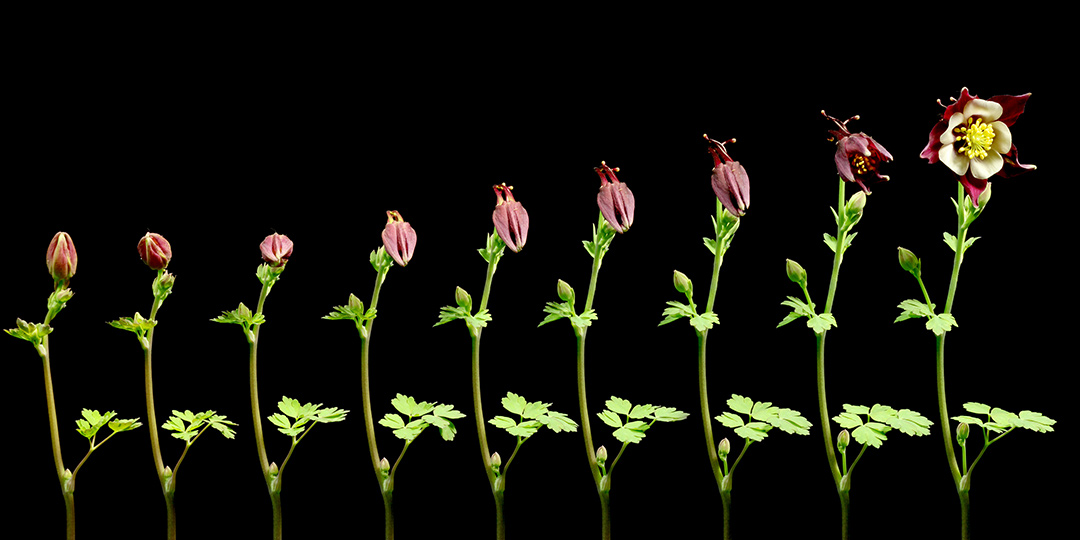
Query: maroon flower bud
{"points": [[729, 181], [857, 155], [398, 238], [61, 258], [615, 199], [511, 219], [155, 251], [276, 249]]}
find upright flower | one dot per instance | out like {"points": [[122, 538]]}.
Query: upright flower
{"points": [[973, 139], [615, 199], [276, 249], [398, 238], [61, 258], [729, 181], [857, 154], [155, 251], [511, 219]]}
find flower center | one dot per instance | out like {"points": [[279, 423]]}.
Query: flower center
{"points": [[861, 164], [975, 137]]}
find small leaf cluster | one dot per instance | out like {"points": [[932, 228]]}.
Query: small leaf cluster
{"points": [[92, 421], [293, 416], [57, 301], [493, 249], [463, 311], [818, 323], [632, 429], [880, 420], [852, 213], [244, 317], [952, 242], [678, 310], [531, 417], [268, 275], [937, 323], [353, 311], [420, 416], [380, 260], [189, 426], [1000, 420], [761, 418], [565, 310], [136, 324], [33, 332], [725, 232], [602, 238]]}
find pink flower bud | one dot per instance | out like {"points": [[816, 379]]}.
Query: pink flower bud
{"points": [[155, 251], [729, 180], [61, 258], [615, 199], [398, 238], [276, 249], [511, 219]]}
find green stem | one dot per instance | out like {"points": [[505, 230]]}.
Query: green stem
{"points": [[167, 488], [256, 416], [943, 410], [54, 432], [845, 514], [725, 497], [386, 488], [69, 511], [583, 406], [823, 409], [841, 238], [965, 515], [718, 260], [746, 444], [706, 417]]}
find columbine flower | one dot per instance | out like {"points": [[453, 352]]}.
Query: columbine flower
{"points": [[61, 258], [729, 181], [973, 140], [155, 251], [511, 219], [857, 155], [615, 199], [398, 238], [276, 249]]}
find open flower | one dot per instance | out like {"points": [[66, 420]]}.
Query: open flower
{"points": [[974, 141], [61, 258], [511, 219], [155, 251], [729, 181], [398, 238], [276, 249], [857, 155], [615, 199]]}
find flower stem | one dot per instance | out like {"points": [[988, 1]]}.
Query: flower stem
{"points": [[256, 417], [706, 417], [54, 433], [167, 488], [385, 488]]}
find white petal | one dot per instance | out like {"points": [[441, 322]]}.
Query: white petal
{"points": [[952, 160], [988, 110], [1002, 137], [988, 166], [947, 137]]}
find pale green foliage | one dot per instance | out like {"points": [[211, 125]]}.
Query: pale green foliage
{"points": [[633, 428], [761, 417], [818, 323], [601, 242], [136, 324], [189, 425], [493, 249], [679, 310], [353, 311], [420, 415], [830, 240], [881, 419], [950, 240], [453, 313], [92, 421], [301, 415], [32, 332], [561, 310], [531, 417], [937, 323], [1000, 420]]}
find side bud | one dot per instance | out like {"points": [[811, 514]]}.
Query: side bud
{"points": [[855, 207], [463, 299], [496, 463], [683, 283], [155, 251], [566, 292], [984, 197], [724, 448], [796, 273], [843, 440], [962, 432], [909, 262], [601, 455], [384, 467], [61, 259]]}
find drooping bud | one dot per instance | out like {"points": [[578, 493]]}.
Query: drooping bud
{"points": [[729, 181], [276, 249], [463, 299], [615, 199], [61, 258], [398, 238], [510, 218], [566, 292], [908, 261], [796, 273], [724, 448], [683, 283], [843, 440], [962, 432], [155, 251]]}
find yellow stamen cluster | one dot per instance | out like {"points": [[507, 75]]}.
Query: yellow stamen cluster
{"points": [[861, 164], [977, 137]]}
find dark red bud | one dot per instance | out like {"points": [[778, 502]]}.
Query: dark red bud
{"points": [[155, 251], [61, 258]]}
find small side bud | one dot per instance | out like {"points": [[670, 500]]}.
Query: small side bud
{"points": [[796, 273], [273, 468], [856, 203], [683, 283], [843, 440], [463, 299], [984, 197], [566, 292], [724, 448], [601, 455], [962, 432], [168, 471], [496, 462], [908, 261]]}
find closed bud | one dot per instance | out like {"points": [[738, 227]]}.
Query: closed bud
{"points": [[962, 432], [155, 251], [273, 468], [984, 197], [276, 249], [908, 261], [463, 299], [796, 273], [566, 292], [384, 466], [843, 440], [61, 258], [683, 283], [724, 448], [856, 204], [398, 238], [601, 455], [496, 461]]}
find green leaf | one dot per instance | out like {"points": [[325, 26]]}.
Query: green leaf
{"points": [[514, 403], [710, 244], [502, 422], [668, 414], [632, 432], [848, 420], [740, 404], [91, 422], [1036, 421], [641, 411], [950, 241], [914, 309], [557, 422], [618, 405], [610, 418], [856, 409], [563, 310], [704, 321], [968, 420], [755, 431], [730, 420], [872, 434], [787, 420], [453, 313], [910, 422], [830, 240], [941, 323], [820, 323], [126, 424], [675, 312], [977, 408]]}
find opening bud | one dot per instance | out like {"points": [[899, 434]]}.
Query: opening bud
{"points": [[155, 251], [398, 238], [276, 249], [908, 261], [463, 299], [843, 440], [724, 448], [796, 273], [683, 283], [566, 292], [61, 258], [962, 432], [601, 455]]}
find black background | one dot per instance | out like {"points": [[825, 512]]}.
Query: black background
{"points": [[216, 147]]}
